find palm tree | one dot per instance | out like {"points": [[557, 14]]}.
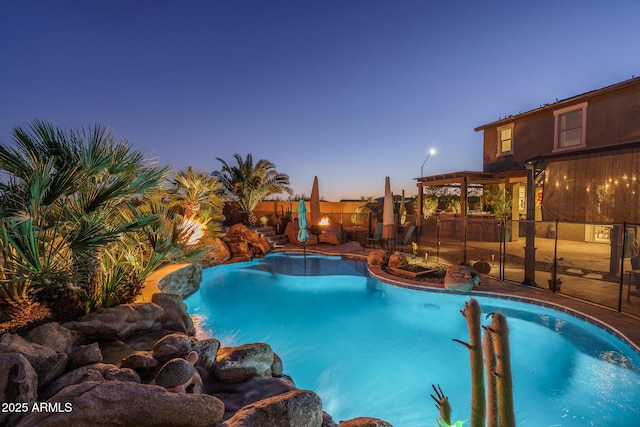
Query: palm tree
{"points": [[63, 198], [196, 191], [115, 175], [249, 184], [196, 198], [128, 262]]}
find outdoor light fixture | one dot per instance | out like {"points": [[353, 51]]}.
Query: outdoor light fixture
{"points": [[194, 231], [431, 151]]}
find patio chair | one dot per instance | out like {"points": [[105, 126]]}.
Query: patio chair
{"points": [[634, 276], [377, 236], [407, 238]]}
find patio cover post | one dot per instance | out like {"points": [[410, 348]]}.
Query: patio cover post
{"points": [[530, 227], [464, 182]]}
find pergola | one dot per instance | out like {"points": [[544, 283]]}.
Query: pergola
{"points": [[464, 180]]}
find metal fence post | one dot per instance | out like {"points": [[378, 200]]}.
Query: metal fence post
{"points": [[464, 239], [438, 239], [624, 245], [554, 270]]}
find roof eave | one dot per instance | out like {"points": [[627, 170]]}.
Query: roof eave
{"points": [[564, 102]]}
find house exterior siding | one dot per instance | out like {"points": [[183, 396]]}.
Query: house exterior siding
{"points": [[595, 181]]}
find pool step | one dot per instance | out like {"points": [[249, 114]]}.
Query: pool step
{"points": [[275, 240], [279, 241]]}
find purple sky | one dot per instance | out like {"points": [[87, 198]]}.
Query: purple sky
{"points": [[350, 91]]}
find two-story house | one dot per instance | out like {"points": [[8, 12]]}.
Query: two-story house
{"points": [[586, 152], [574, 160]]}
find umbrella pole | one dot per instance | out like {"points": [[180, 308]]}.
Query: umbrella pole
{"points": [[304, 248]]}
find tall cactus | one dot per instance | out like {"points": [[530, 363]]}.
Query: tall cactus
{"points": [[472, 312], [497, 409], [490, 359], [499, 332]]}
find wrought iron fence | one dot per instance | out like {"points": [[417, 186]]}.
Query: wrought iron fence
{"points": [[596, 262]]}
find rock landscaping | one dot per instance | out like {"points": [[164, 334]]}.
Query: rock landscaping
{"points": [[103, 370], [457, 277]]}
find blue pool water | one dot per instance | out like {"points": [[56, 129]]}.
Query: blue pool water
{"points": [[372, 349]]}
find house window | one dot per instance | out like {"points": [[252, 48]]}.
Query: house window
{"points": [[505, 140], [570, 125]]}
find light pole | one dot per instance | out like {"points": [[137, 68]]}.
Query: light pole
{"points": [[432, 151], [420, 194]]}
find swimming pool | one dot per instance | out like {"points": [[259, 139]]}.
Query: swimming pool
{"points": [[373, 349]]}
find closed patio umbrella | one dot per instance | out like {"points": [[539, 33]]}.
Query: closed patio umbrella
{"points": [[303, 233], [314, 203], [388, 225]]}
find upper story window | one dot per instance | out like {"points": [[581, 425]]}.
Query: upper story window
{"points": [[570, 127], [505, 140]]}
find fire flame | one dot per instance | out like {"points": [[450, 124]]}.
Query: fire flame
{"points": [[324, 221]]}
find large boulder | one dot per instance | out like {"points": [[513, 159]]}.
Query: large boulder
{"points": [[118, 322], [238, 364], [18, 382], [327, 420], [47, 363], [54, 336], [459, 278], [237, 229], [224, 253], [263, 245], [243, 241], [172, 346], [182, 281], [175, 316], [377, 257], [129, 404], [207, 350], [300, 408], [238, 395], [85, 355], [218, 253], [143, 363], [95, 372], [277, 367], [397, 259], [249, 236]]}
